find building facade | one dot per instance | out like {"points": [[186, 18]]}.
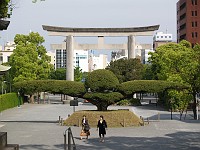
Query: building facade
{"points": [[161, 38], [80, 59], [188, 21], [6, 52]]}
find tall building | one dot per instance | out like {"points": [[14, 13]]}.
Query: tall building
{"points": [[80, 59], [188, 21]]}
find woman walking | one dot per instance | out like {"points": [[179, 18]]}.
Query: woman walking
{"points": [[102, 125], [85, 128]]}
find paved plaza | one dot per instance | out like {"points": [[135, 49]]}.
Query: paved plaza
{"points": [[35, 127]]}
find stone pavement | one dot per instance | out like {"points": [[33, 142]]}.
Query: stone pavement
{"points": [[34, 127]]}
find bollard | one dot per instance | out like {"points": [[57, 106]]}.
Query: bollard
{"points": [[158, 116], [61, 121], [68, 115], [124, 124], [143, 121], [147, 120]]}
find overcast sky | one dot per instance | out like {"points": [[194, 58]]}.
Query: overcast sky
{"points": [[28, 16]]}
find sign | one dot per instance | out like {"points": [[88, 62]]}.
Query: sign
{"points": [[74, 103]]}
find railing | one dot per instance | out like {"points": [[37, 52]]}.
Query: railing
{"points": [[71, 144]]}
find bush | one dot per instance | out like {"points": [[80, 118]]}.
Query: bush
{"points": [[9, 100], [101, 80], [127, 102], [124, 102]]}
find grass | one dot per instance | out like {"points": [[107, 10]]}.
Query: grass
{"points": [[114, 118]]}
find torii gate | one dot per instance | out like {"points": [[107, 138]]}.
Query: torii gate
{"points": [[70, 33]]}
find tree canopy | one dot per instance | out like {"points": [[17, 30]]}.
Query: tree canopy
{"points": [[127, 69], [101, 85], [29, 60], [178, 63]]}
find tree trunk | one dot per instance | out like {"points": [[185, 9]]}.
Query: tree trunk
{"points": [[194, 106], [102, 107], [32, 99]]}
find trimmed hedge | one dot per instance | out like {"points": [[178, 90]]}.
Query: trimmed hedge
{"points": [[71, 88], [148, 86], [101, 80], [8, 100]]}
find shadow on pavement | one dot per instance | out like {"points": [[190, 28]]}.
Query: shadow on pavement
{"points": [[174, 141], [40, 147]]}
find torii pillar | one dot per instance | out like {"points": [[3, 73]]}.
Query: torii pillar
{"points": [[70, 57]]}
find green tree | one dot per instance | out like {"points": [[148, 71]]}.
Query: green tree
{"points": [[179, 63], [29, 60], [101, 85], [127, 69], [60, 74], [6, 8]]}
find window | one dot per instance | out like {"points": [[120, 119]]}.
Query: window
{"points": [[192, 34], [196, 34], [195, 24], [194, 2], [165, 36], [161, 36], [182, 16], [170, 37]]}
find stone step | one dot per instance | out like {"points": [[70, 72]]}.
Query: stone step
{"points": [[11, 147], [3, 139]]}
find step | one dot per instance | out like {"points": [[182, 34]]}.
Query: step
{"points": [[3, 139], [11, 147]]}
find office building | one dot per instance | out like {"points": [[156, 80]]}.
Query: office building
{"points": [[161, 38], [188, 21]]}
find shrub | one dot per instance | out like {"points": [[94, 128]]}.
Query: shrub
{"points": [[127, 102], [9, 100]]}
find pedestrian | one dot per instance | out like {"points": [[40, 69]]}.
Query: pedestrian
{"points": [[85, 131], [102, 125]]}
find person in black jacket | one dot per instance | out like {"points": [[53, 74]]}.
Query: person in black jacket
{"points": [[102, 125], [85, 127]]}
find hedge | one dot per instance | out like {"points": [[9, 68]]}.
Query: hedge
{"points": [[71, 88], [148, 86], [9, 100]]}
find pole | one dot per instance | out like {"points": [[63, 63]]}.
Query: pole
{"points": [[65, 141], [69, 139], [74, 108]]}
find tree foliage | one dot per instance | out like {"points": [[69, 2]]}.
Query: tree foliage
{"points": [[6, 8], [179, 63], [127, 69], [101, 85], [147, 86], [29, 60], [60, 74], [71, 88]]}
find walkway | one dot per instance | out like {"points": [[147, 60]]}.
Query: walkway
{"points": [[34, 127]]}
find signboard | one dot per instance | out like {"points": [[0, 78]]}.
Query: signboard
{"points": [[74, 103]]}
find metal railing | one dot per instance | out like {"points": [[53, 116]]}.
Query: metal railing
{"points": [[71, 144]]}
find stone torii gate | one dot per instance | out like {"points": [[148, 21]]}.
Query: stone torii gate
{"points": [[70, 33]]}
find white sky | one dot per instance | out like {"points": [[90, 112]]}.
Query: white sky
{"points": [[28, 16]]}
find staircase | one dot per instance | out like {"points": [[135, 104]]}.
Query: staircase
{"points": [[4, 145]]}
